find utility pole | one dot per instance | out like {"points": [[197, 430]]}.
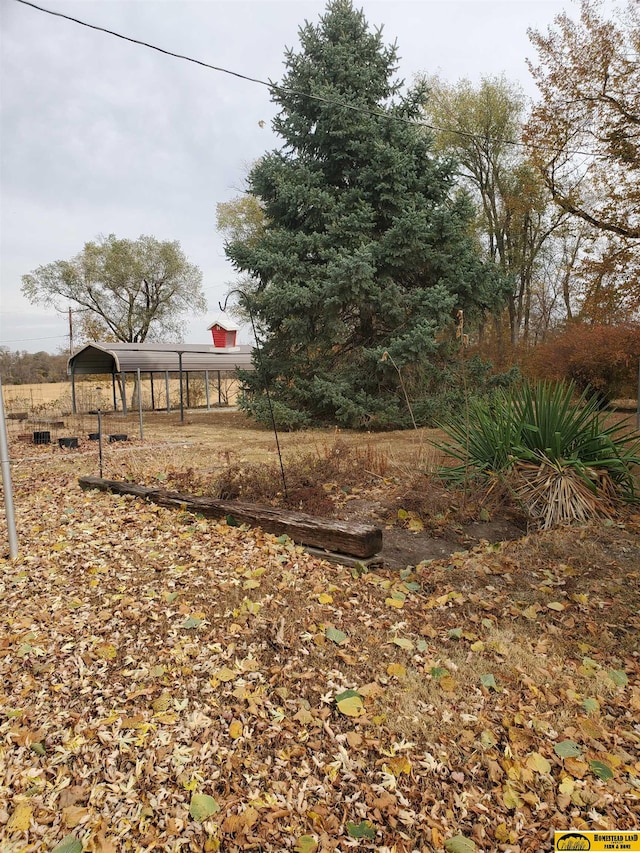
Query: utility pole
{"points": [[70, 332]]}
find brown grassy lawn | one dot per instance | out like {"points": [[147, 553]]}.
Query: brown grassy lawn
{"points": [[170, 683]]}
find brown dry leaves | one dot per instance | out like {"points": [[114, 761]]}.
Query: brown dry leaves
{"points": [[171, 683]]}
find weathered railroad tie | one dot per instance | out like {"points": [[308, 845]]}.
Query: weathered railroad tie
{"points": [[352, 539]]}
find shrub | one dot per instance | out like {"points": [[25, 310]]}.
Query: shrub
{"points": [[316, 479], [604, 358], [407, 397], [285, 417], [311, 477], [558, 456]]}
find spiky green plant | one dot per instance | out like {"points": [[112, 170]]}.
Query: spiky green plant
{"points": [[558, 454]]}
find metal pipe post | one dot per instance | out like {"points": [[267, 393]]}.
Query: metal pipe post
{"points": [[6, 483], [74, 407], [100, 439]]}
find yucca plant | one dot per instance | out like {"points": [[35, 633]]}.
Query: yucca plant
{"points": [[554, 493], [555, 452], [482, 437]]}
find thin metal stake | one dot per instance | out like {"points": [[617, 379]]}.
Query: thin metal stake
{"points": [[100, 439], [140, 405]]}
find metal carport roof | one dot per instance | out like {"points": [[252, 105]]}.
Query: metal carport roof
{"points": [[115, 358]]}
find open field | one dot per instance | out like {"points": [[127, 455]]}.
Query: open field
{"points": [[55, 397], [41, 393], [170, 683]]}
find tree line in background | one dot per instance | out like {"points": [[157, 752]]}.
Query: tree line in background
{"points": [[558, 190], [401, 239], [26, 368]]}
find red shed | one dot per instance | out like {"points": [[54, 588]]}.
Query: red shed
{"points": [[224, 334]]}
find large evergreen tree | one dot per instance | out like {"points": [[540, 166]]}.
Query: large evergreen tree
{"points": [[366, 247]]}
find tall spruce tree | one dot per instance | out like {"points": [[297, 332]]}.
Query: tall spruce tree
{"points": [[367, 247]]}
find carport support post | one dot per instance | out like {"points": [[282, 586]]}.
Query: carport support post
{"points": [[206, 389], [219, 389], [140, 404], [123, 386], [113, 390], [181, 396], [136, 387], [74, 408], [166, 390], [153, 396]]}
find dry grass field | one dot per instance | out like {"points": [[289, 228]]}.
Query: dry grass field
{"points": [[54, 398], [37, 394]]}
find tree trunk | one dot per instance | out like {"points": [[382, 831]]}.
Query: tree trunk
{"points": [[497, 323]]}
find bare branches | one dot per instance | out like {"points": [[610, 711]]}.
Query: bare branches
{"points": [[589, 81]]}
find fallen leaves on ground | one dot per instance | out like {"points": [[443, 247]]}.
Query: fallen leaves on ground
{"points": [[172, 683]]}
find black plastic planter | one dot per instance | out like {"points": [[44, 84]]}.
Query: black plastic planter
{"points": [[68, 442], [94, 436], [119, 436]]}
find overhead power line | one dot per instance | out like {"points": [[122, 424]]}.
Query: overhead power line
{"points": [[287, 91], [30, 340]]}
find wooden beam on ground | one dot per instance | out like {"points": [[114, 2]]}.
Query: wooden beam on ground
{"points": [[344, 537], [366, 563]]}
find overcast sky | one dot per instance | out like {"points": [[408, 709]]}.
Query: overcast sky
{"points": [[101, 136]]}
